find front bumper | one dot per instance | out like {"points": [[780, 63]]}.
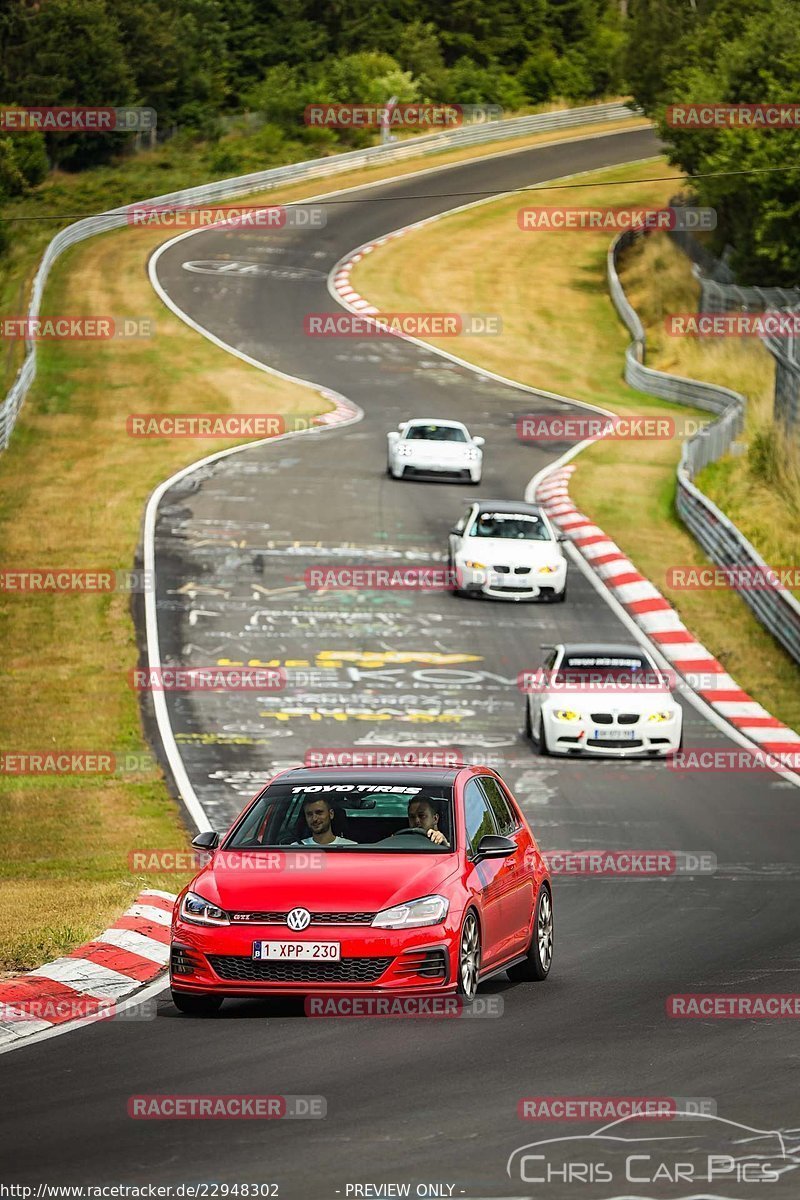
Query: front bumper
{"points": [[458, 468], [640, 739], [218, 961], [513, 584]]}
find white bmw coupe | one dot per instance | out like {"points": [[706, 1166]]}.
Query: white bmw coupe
{"points": [[508, 550], [610, 700]]}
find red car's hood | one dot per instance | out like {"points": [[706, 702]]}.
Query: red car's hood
{"points": [[343, 882]]}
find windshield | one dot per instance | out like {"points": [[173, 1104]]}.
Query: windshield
{"points": [[343, 817], [435, 433], [519, 526], [609, 668]]}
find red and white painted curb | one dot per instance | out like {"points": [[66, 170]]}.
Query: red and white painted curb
{"points": [[661, 622], [341, 411], [341, 280], [93, 977]]}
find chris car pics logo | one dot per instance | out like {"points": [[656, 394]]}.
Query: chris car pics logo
{"points": [[706, 1151]]}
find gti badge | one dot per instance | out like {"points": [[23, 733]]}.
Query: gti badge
{"points": [[298, 918]]}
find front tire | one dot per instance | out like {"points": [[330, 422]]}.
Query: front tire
{"points": [[455, 590], [196, 1006], [672, 753], [469, 956], [540, 742], [539, 959]]}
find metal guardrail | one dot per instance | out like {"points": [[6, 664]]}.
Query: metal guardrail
{"points": [[318, 168], [775, 607]]}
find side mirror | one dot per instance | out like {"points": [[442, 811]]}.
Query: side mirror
{"points": [[492, 845], [479, 441], [207, 840], [456, 531], [561, 537], [393, 435], [402, 425]]}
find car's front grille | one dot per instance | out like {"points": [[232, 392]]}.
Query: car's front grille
{"points": [[443, 471], [521, 570], [608, 718], [628, 743], [505, 587], [317, 918], [249, 970], [503, 570]]}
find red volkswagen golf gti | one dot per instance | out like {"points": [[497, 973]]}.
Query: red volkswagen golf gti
{"points": [[398, 880]]}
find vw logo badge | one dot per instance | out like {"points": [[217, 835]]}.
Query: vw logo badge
{"points": [[298, 918]]}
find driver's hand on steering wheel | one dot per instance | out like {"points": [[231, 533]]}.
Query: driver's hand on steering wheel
{"points": [[437, 837]]}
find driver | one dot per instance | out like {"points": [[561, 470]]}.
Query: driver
{"points": [[422, 815], [319, 818]]}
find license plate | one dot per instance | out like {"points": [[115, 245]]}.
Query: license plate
{"points": [[614, 735], [298, 951]]}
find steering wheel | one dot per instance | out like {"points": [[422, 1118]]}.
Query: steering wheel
{"points": [[412, 829]]}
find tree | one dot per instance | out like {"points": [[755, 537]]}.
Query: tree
{"points": [[69, 52], [756, 213]]}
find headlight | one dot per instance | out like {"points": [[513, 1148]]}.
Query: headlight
{"points": [[429, 910], [474, 566], [548, 570], [202, 912], [661, 716], [566, 714]]}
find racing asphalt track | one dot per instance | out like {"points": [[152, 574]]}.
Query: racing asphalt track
{"points": [[415, 1100]]}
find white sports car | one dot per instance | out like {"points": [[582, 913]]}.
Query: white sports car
{"points": [[429, 447], [602, 699], [507, 550]]}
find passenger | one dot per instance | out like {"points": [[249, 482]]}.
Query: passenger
{"points": [[319, 818], [422, 815]]}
